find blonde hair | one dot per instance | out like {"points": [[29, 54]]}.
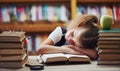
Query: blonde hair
{"points": [[82, 20]]}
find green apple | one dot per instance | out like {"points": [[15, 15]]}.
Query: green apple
{"points": [[106, 22]]}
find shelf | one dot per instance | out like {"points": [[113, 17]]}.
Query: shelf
{"points": [[23, 1], [31, 27], [98, 1]]}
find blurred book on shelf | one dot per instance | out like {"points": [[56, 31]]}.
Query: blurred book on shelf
{"points": [[34, 13], [99, 10]]}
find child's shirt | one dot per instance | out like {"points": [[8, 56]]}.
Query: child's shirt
{"points": [[58, 36]]}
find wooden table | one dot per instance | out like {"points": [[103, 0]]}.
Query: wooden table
{"points": [[68, 67]]}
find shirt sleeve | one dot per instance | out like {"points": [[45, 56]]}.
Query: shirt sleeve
{"points": [[56, 35]]}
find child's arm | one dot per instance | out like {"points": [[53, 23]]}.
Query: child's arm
{"points": [[48, 47], [92, 53]]}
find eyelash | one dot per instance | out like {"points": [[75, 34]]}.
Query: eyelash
{"points": [[72, 33]]}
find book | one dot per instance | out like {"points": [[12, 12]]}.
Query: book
{"points": [[14, 64], [6, 45], [112, 32], [108, 62], [108, 57], [12, 57], [11, 51], [67, 58], [15, 36], [109, 46], [109, 38], [116, 9], [108, 50], [109, 42], [109, 34]]}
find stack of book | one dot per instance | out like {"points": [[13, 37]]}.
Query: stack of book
{"points": [[13, 52], [109, 46]]}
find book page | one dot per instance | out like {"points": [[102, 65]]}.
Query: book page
{"points": [[71, 55], [77, 58], [53, 57]]}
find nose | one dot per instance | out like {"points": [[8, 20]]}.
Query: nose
{"points": [[70, 40]]}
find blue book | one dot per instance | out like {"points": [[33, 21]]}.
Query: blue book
{"points": [[45, 12], [114, 32]]}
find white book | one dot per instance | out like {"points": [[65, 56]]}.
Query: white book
{"points": [[5, 14], [50, 13], [37, 42], [63, 14], [40, 17], [33, 13]]}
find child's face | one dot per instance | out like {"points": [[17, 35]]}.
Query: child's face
{"points": [[73, 37]]}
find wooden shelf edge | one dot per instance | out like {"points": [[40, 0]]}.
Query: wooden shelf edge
{"points": [[98, 1], [30, 27], [23, 1]]}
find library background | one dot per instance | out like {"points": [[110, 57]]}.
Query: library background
{"points": [[39, 17]]}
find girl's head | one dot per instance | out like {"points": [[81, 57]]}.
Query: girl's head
{"points": [[85, 34]]}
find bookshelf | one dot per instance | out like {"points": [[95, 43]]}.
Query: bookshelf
{"points": [[99, 3], [31, 28], [36, 26], [49, 26]]}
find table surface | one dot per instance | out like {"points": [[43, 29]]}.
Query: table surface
{"points": [[67, 67]]}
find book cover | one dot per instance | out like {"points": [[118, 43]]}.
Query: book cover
{"points": [[33, 13], [113, 30], [117, 42], [91, 9], [103, 10], [116, 9], [0, 15], [28, 12], [108, 62], [11, 51], [5, 14], [112, 34], [109, 38], [108, 57], [6, 45], [40, 17], [45, 12], [67, 58], [109, 46], [12, 13], [109, 50], [14, 64], [82, 9], [51, 13], [109, 10], [15, 57], [15, 36]]}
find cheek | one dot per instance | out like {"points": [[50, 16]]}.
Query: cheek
{"points": [[67, 35], [70, 41]]}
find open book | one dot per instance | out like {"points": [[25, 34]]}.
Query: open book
{"points": [[67, 58]]}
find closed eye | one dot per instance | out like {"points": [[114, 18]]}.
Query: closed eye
{"points": [[72, 34]]}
